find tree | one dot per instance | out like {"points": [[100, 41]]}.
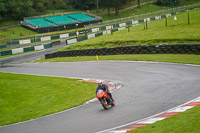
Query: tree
{"points": [[40, 7], [3, 9], [17, 9], [118, 4], [138, 3], [83, 4], [167, 2], [97, 6], [107, 4]]}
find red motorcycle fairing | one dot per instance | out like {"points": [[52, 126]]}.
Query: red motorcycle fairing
{"points": [[101, 94]]}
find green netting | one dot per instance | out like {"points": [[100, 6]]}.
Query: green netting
{"points": [[3, 53], [29, 49], [41, 22], [163, 16], [81, 38], [61, 20], [115, 25], [13, 43], [114, 30], [89, 30], [81, 17], [35, 40], [47, 46], [55, 37], [152, 18], [72, 33], [100, 33], [103, 28], [141, 21], [2, 46], [128, 23]]}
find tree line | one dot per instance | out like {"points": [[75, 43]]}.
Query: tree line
{"points": [[18, 9]]}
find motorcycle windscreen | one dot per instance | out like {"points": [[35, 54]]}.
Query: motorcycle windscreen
{"points": [[100, 93]]}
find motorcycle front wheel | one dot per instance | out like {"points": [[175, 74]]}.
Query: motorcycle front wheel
{"points": [[104, 104]]}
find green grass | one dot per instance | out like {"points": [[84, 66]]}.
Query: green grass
{"points": [[185, 122], [104, 11], [176, 32], [136, 11], [25, 97], [7, 35], [171, 58], [8, 23], [187, 2]]}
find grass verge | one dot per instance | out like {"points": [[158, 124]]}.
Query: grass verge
{"points": [[177, 31], [171, 58], [25, 97], [16, 32], [185, 122], [8, 23], [135, 11]]}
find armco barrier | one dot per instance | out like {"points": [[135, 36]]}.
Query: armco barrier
{"points": [[143, 49]]}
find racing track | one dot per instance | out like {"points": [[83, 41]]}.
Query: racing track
{"points": [[149, 88]]}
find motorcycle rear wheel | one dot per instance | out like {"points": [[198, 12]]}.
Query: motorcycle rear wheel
{"points": [[113, 102]]}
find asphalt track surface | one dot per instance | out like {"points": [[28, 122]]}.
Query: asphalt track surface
{"points": [[149, 88], [28, 56]]}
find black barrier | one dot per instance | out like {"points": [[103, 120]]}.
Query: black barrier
{"points": [[145, 49]]}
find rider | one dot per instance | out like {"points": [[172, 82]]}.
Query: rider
{"points": [[103, 87]]}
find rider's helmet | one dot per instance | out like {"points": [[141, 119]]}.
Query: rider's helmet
{"points": [[100, 83]]}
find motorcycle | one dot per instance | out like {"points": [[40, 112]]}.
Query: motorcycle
{"points": [[105, 99]]}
